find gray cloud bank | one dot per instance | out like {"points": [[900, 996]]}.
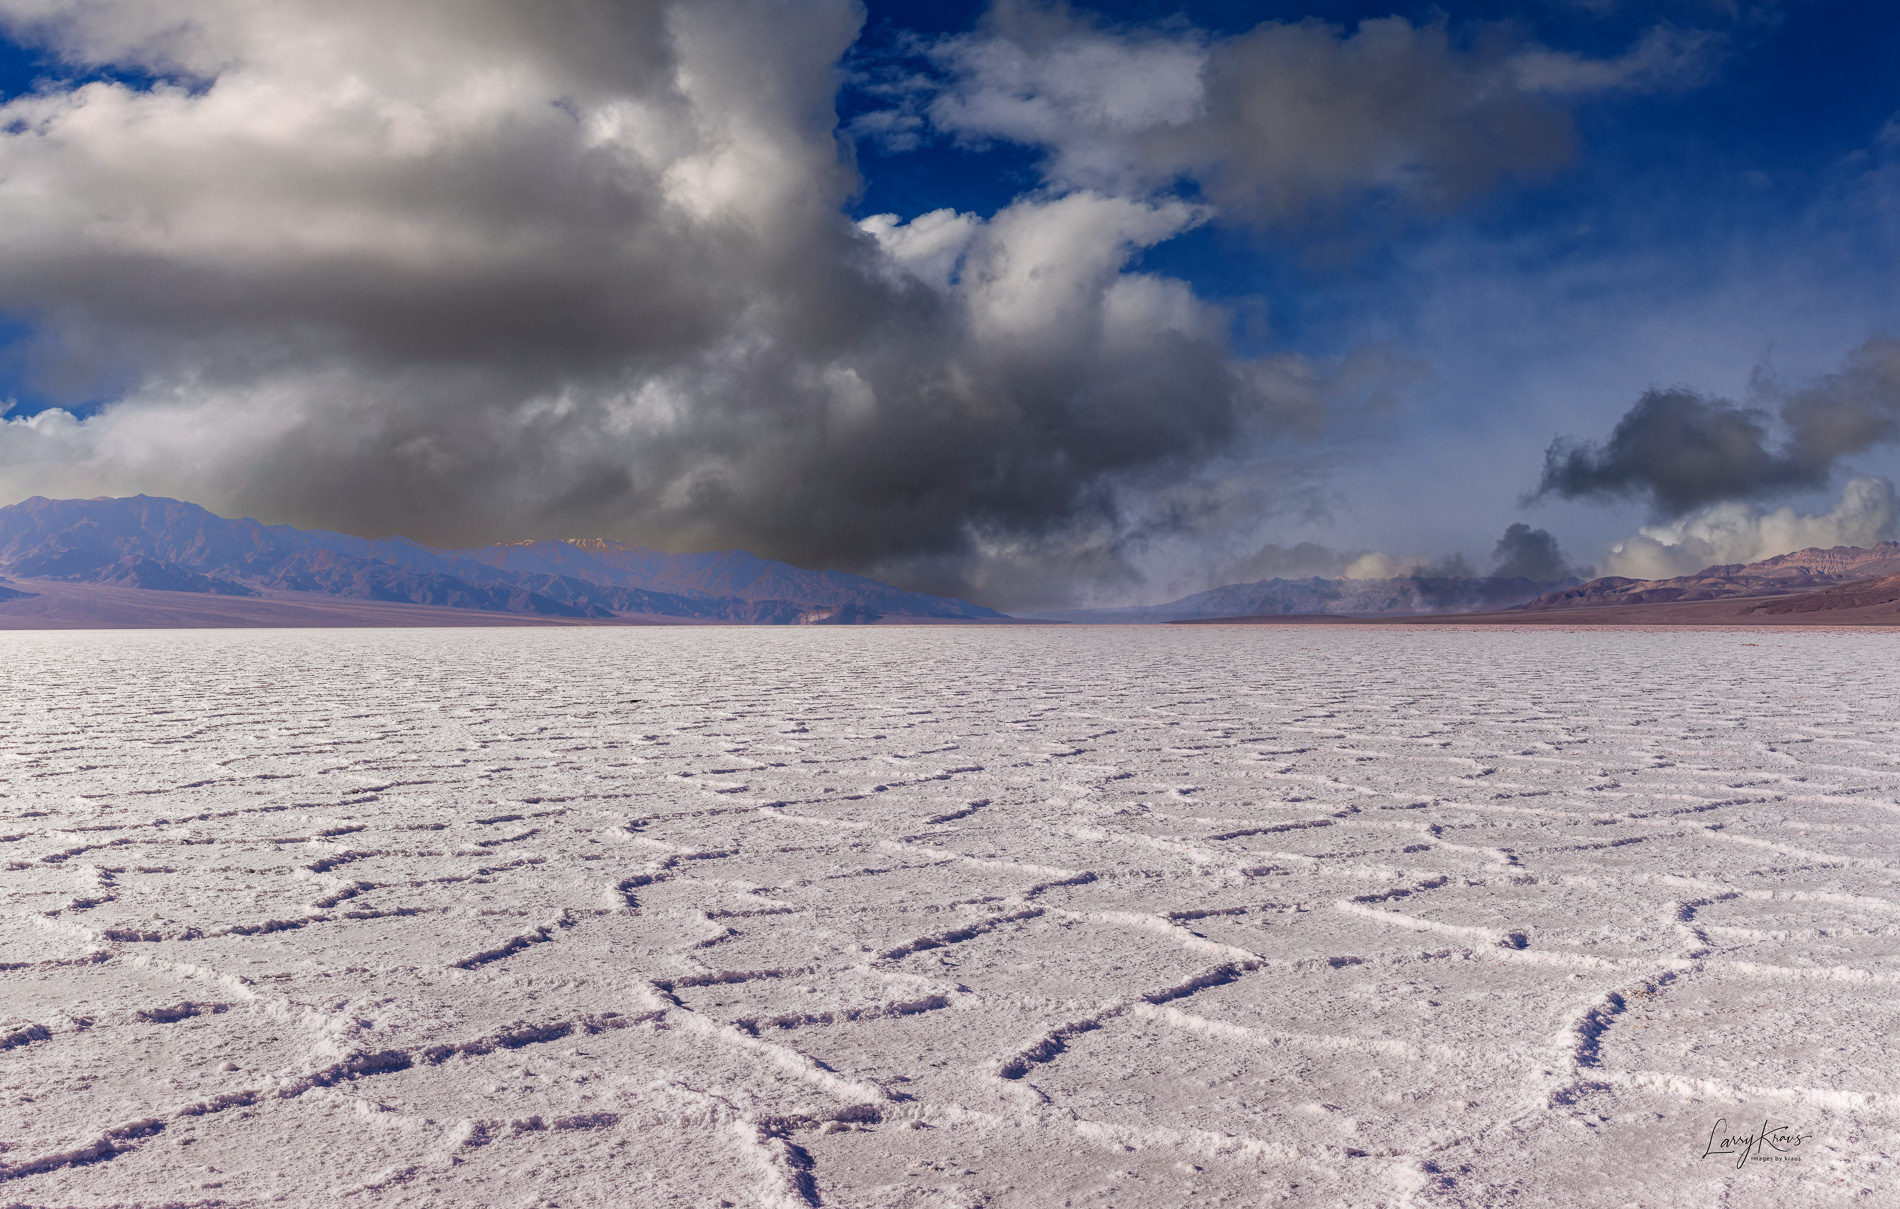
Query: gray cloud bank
{"points": [[1683, 450], [478, 270]]}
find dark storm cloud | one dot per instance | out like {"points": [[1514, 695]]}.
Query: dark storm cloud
{"points": [[1527, 553], [482, 269], [1681, 450]]}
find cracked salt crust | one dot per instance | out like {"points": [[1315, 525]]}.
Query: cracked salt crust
{"points": [[945, 917]]}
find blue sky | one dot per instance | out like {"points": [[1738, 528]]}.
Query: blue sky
{"points": [[1731, 213], [1780, 123], [1698, 233]]}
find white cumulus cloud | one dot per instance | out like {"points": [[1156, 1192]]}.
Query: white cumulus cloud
{"points": [[1738, 532]]}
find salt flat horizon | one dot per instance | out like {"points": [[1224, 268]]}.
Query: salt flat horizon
{"points": [[1368, 915]]}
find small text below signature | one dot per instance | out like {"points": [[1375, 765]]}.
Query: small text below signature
{"points": [[1770, 1144]]}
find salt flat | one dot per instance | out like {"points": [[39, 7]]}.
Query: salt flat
{"points": [[948, 917]]}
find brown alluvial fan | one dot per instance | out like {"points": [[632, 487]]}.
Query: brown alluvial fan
{"points": [[1861, 594]]}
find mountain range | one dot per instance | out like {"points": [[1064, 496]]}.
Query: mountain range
{"points": [[151, 561], [1843, 585], [146, 543], [1783, 575]]}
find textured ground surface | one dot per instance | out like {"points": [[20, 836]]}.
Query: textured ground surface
{"points": [[948, 917]]}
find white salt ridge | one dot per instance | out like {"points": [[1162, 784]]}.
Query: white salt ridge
{"points": [[947, 917]]}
